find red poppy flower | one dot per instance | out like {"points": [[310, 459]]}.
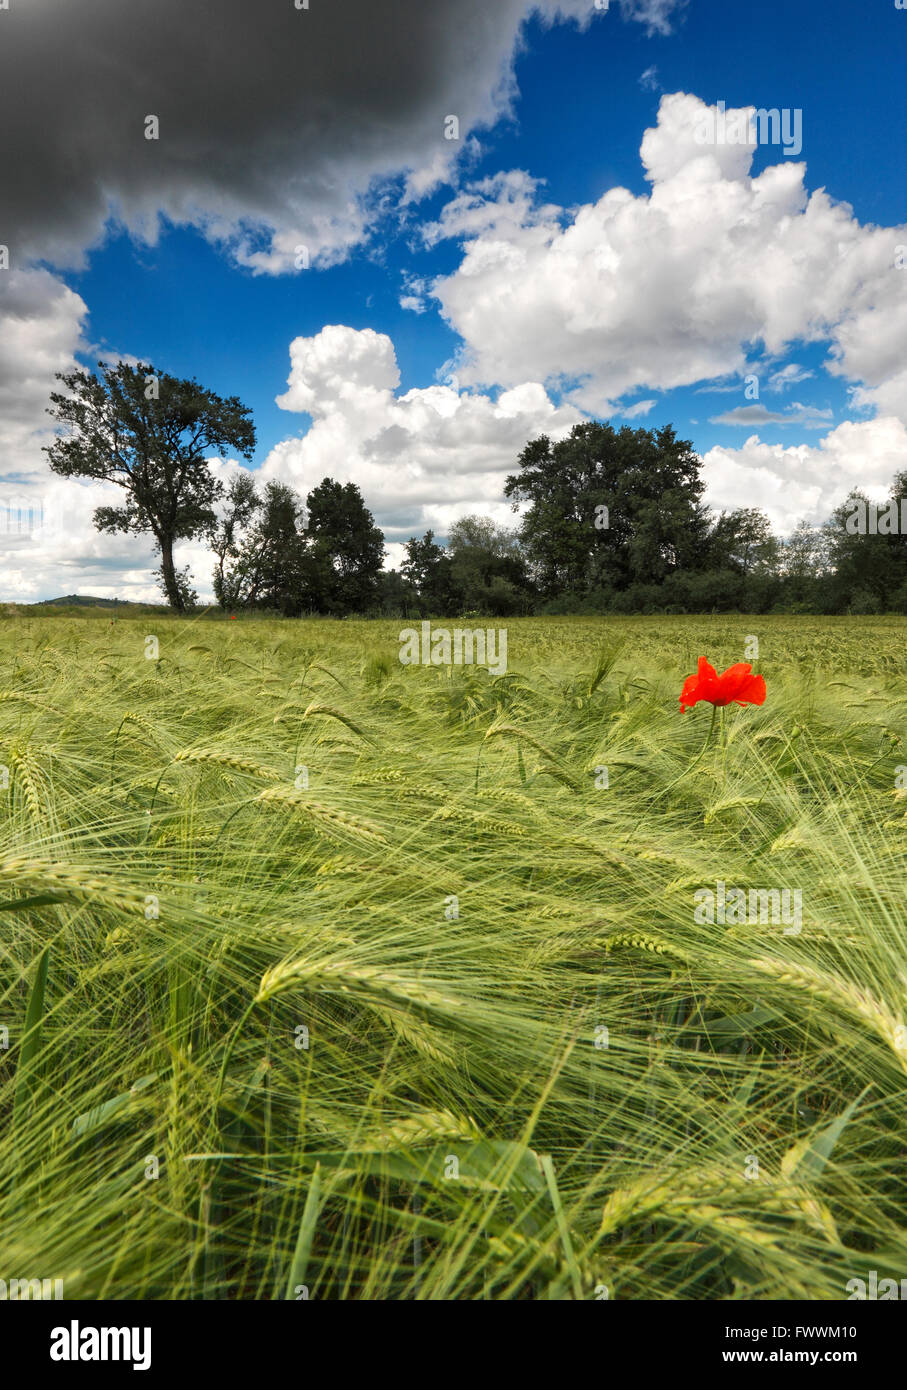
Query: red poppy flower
{"points": [[737, 685]]}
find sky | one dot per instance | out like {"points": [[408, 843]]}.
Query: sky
{"points": [[412, 237]]}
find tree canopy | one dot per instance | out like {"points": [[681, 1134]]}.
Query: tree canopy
{"points": [[608, 508], [272, 551]]}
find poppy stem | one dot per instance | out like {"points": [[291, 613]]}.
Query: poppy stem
{"points": [[686, 772], [701, 753]]}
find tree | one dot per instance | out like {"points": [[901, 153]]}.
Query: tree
{"points": [[803, 552], [803, 562], [489, 573], [609, 508], [347, 547], [742, 540], [182, 583], [283, 576], [151, 434], [228, 536], [395, 596], [270, 562], [426, 571], [868, 568]]}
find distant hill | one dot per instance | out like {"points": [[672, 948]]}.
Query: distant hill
{"points": [[106, 609], [86, 601]]}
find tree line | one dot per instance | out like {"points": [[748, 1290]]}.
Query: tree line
{"points": [[611, 521]]}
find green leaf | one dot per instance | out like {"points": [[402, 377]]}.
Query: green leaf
{"points": [[31, 1039], [310, 1214], [806, 1159], [492, 1165], [99, 1114], [563, 1229], [735, 1024]]}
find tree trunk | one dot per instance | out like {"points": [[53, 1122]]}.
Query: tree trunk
{"points": [[168, 570]]}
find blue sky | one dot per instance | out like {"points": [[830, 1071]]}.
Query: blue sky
{"points": [[656, 317]]}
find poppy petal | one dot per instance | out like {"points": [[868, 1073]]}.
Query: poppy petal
{"points": [[690, 693], [739, 686], [736, 685], [753, 692], [701, 686], [733, 680]]}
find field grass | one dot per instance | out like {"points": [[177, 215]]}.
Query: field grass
{"points": [[441, 1024]]}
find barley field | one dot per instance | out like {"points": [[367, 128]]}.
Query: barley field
{"points": [[322, 976]]}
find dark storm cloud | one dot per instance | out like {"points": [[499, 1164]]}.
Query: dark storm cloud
{"points": [[274, 120]]}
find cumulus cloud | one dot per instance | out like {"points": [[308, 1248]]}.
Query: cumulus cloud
{"points": [[676, 286], [50, 547], [805, 480], [422, 459]]}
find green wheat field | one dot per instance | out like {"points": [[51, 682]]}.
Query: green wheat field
{"points": [[326, 977]]}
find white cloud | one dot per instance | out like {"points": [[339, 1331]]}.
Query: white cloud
{"points": [[788, 375], [415, 290], [657, 15], [62, 553], [675, 287], [633, 412], [887, 397], [40, 331], [790, 482], [498, 208], [421, 459]]}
